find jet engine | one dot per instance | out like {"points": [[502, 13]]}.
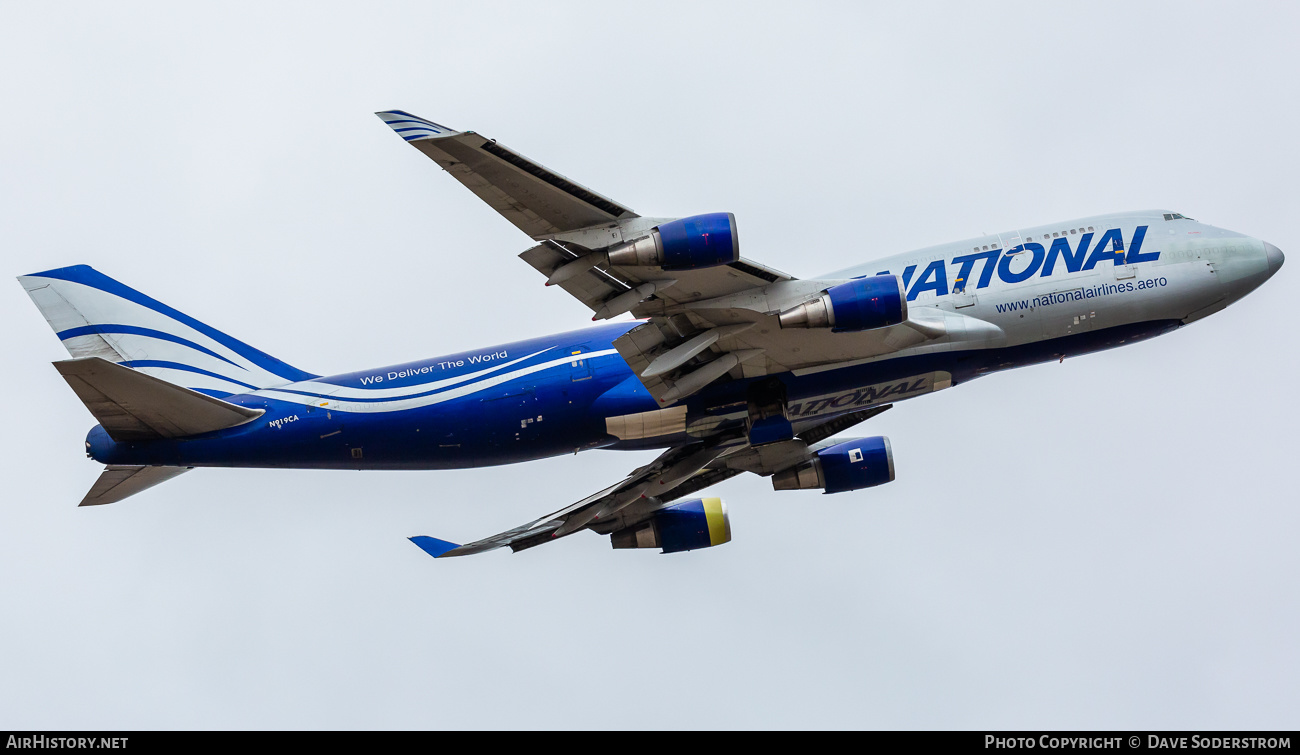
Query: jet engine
{"points": [[685, 244], [685, 526], [851, 465], [859, 304]]}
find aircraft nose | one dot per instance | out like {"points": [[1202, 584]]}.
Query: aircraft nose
{"points": [[1275, 258]]}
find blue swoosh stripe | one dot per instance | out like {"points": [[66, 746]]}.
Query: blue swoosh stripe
{"points": [[404, 397], [131, 330], [458, 382], [404, 114], [183, 368], [422, 123], [389, 399], [359, 400], [88, 276]]}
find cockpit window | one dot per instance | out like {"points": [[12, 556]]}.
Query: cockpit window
{"points": [[1176, 216]]}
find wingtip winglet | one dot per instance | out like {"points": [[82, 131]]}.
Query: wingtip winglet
{"points": [[432, 545], [412, 127]]}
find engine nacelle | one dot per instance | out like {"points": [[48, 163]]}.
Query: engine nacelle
{"points": [[685, 526], [685, 244], [860, 304], [851, 465]]}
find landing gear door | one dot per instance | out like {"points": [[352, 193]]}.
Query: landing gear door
{"points": [[767, 409]]}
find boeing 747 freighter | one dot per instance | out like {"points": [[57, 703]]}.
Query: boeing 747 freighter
{"points": [[730, 366]]}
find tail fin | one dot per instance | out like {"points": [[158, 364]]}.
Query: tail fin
{"points": [[96, 316]]}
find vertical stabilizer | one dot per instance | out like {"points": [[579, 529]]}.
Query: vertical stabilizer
{"points": [[96, 316]]}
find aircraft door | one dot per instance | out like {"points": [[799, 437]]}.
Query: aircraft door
{"points": [[580, 365], [1007, 242], [326, 422], [1010, 240], [963, 296], [963, 289]]}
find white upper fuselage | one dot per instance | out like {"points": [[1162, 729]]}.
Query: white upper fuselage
{"points": [[1182, 270]]}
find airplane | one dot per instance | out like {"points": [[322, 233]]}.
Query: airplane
{"points": [[726, 364]]}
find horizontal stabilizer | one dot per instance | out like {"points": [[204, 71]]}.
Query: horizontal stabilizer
{"points": [[116, 483], [134, 406], [432, 545]]}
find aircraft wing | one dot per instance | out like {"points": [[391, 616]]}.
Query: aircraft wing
{"points": [[649, 484], [715, 317], [704, 323], [547, 206], [536, 200], [678, 472]]}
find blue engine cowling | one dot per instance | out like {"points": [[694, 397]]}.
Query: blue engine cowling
{"points": [[851, 465], [859, 304], [685, 526], [686, 244]]}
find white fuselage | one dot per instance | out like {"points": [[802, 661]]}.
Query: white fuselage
{"points": [[1182, 270]]}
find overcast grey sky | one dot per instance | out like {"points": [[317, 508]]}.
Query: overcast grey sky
{"points": [[1104, 543]]}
